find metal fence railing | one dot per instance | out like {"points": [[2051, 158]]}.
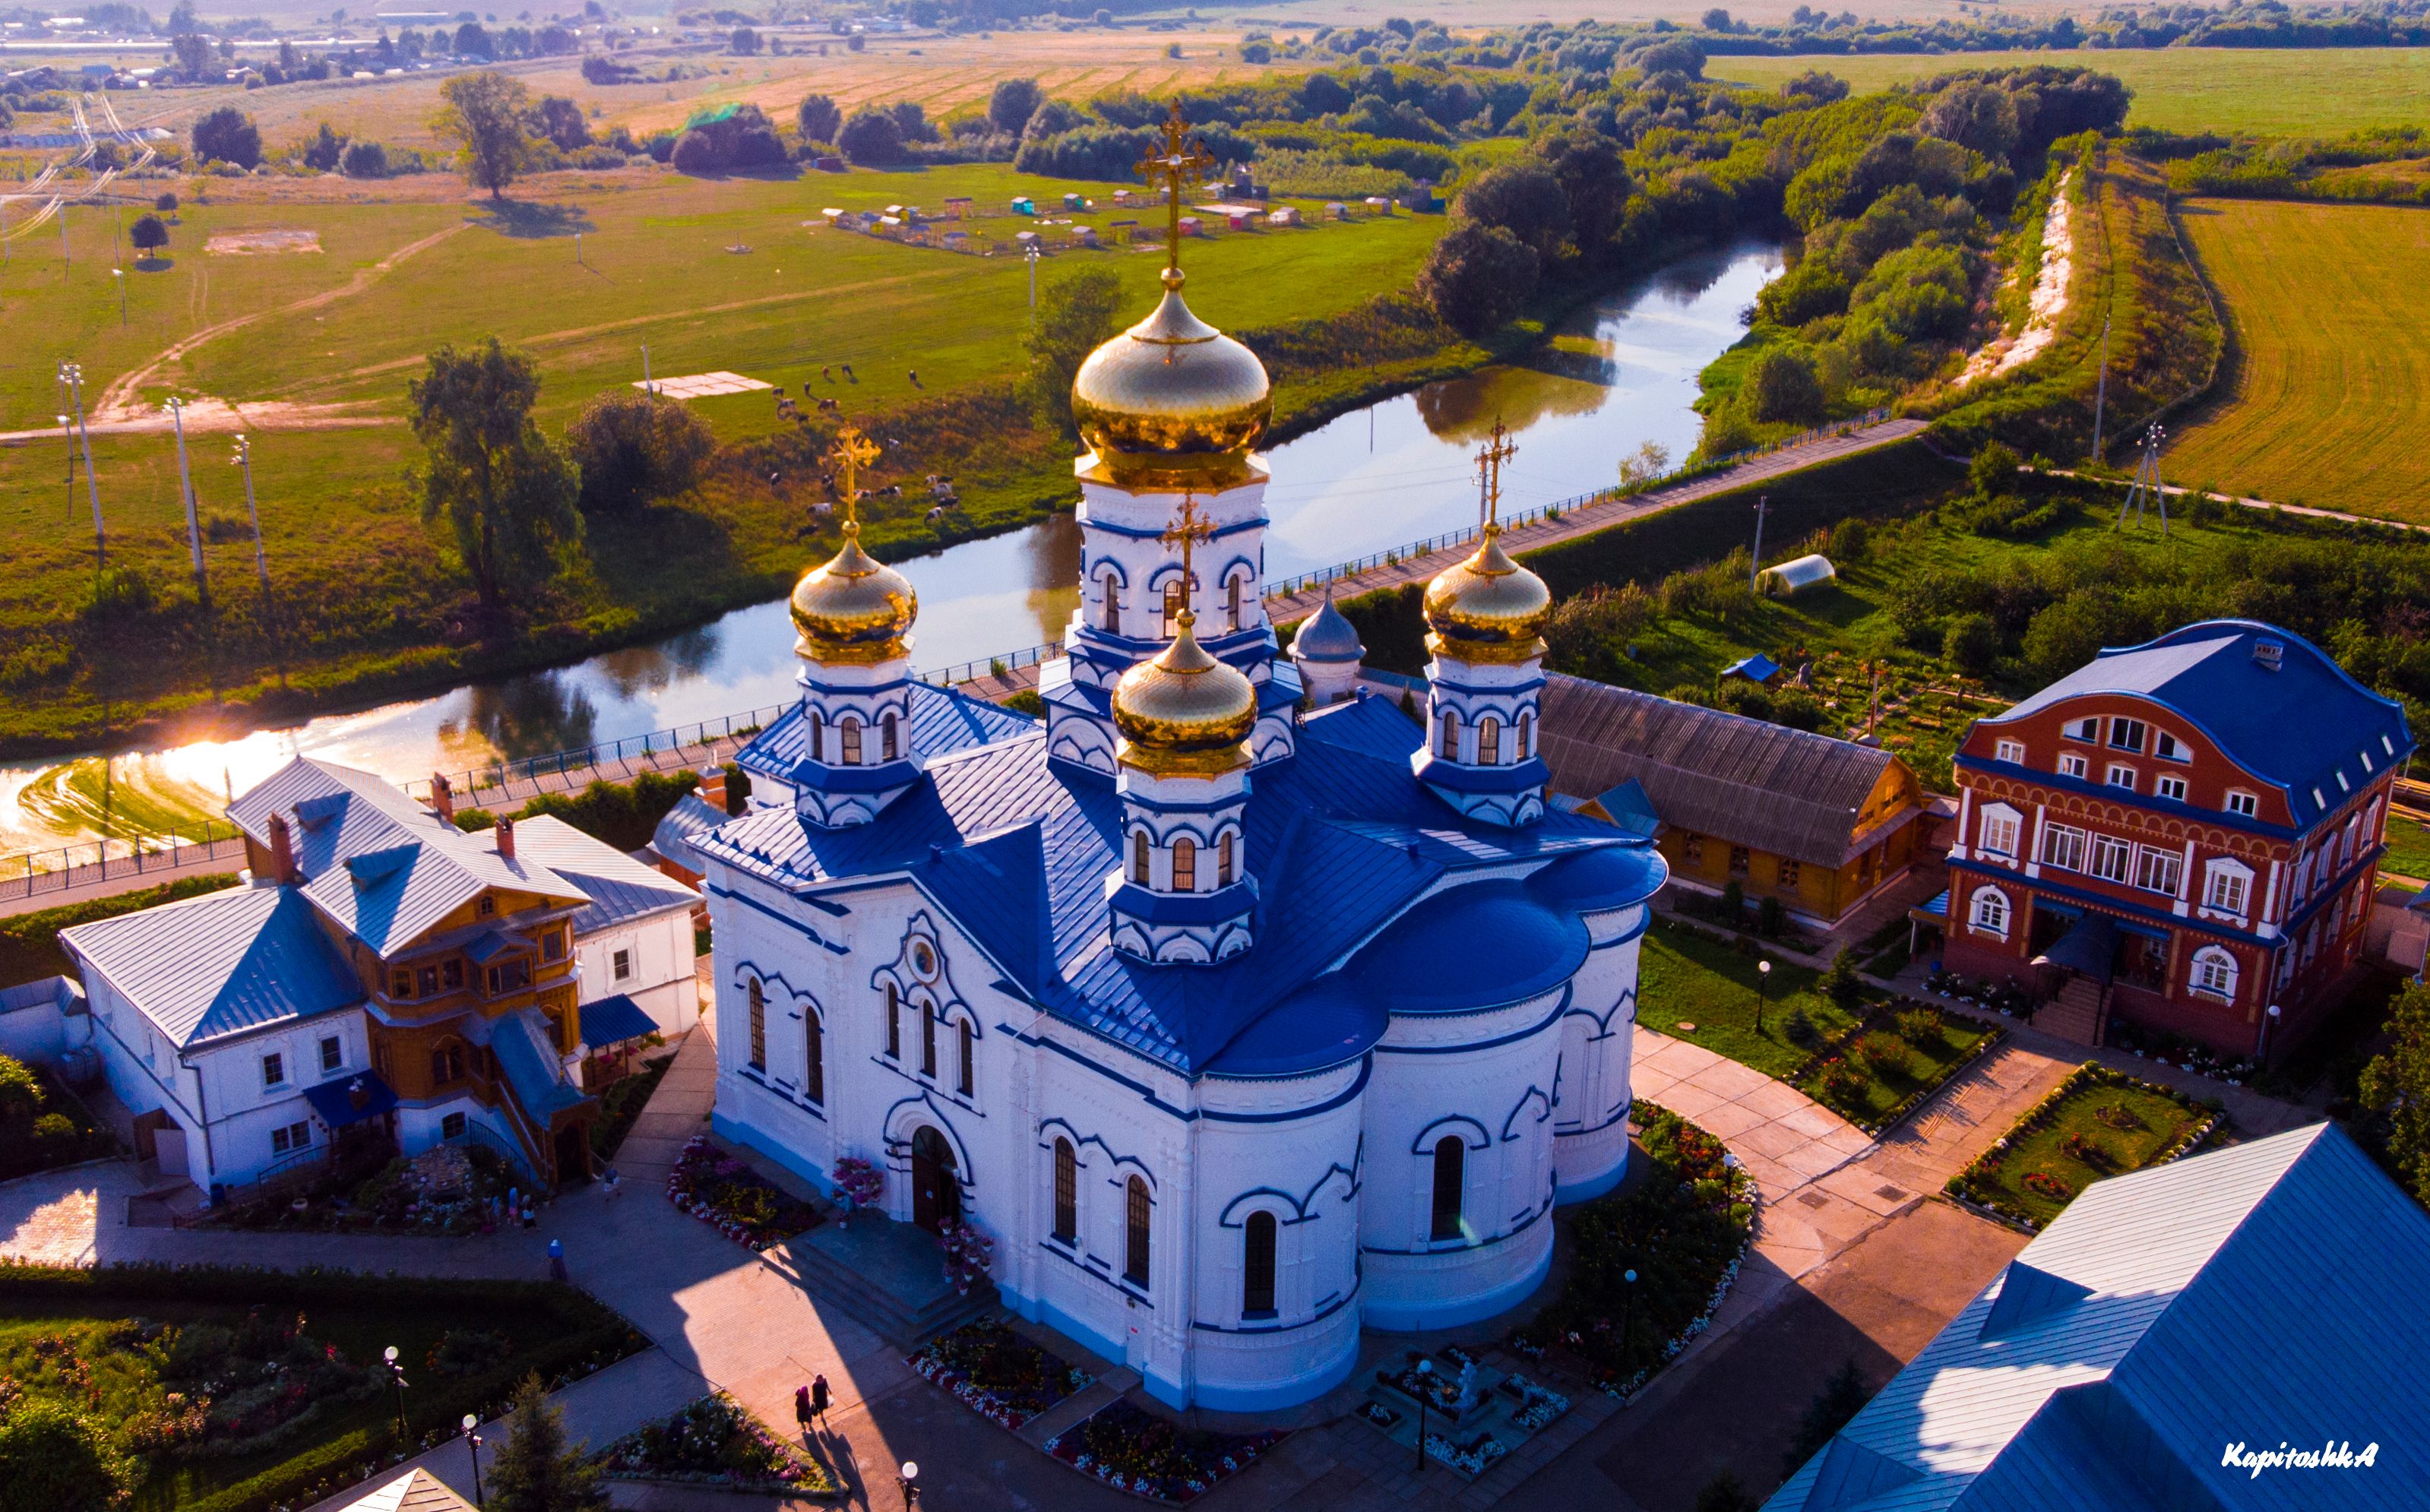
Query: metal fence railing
{"points": [[658, 751], [31, 874], [994, 666]]}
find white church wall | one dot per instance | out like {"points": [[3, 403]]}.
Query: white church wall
{"points": [[1598, 1032]]}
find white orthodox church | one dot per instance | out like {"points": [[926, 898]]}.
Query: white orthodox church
{"points": [[1241, 1012]]}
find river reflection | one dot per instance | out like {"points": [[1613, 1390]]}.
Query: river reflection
{"points": [[1619, 373]]}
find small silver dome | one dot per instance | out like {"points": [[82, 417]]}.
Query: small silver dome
{"points": [[1325, 635]]}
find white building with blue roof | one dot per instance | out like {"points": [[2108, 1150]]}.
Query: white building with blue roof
{"points": [[1237, 1024], [2168, 1330]]}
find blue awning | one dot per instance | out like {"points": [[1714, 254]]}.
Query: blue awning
{"points": [[1937, 908], [615, 1021], [334, 1101], [2091, 947], [1757, 668]]}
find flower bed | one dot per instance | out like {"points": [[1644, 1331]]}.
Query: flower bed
{"points": [[1885, 1067], [1135, 1451], [997, 1372], [714, 1442], [1684, 1230], [2095, 1123], [735, 1200]]}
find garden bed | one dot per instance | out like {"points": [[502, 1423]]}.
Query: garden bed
{"points": [[997, 1372], [738, 1201], [42, 1125], [714, 1442], [1133, 1450], [2097, 1122], [1686, 976], [621, 1105], [1902, 1053], [1684, 1228], [448, 1190]]}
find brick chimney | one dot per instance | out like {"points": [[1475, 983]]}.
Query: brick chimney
{"points": [[506, 837], [282, 852], [712, 787], [442, 796]]}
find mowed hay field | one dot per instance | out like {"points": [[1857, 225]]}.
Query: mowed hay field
{"points": [[2296, 92], [2328, 395]]}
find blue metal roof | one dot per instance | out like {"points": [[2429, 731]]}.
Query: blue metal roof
{"points": [[2301, 726], [530, 1063], [613, 1021], [944, 722], [1631, 808], [621, 888], [1755, 669], [220, 964], [2264, 1294], [1343, 839]]}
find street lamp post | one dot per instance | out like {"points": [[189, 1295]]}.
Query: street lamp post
{"points": [[2267, 1025], [909, 1479], [396, 1372], [72, 374], [120, 274], [1762, 981], [1425, 1389], [177, 409], [67, 433], [1629, 1314], [473, 1442]]}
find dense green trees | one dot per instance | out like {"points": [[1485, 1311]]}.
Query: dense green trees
{"points": [[634, 447], [535, 1469], [484, 115], [227, 135], [149, 233], [1012, 103], [2396, 1086], [872, 139], [818, 119], [1478, 276], [504, 493], [1077, 312]]}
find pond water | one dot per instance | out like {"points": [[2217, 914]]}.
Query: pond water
{"points": [[1619, 373]]}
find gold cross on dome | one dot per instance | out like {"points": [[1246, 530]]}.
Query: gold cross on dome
{"points": [[1189, 528], [852, 452], [1490, 459], [1181, 163]]}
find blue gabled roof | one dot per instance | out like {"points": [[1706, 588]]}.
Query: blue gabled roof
{"points": [[2300, 726], [1343, 839], [944, 722], [220, 964], [2268, 1294]]}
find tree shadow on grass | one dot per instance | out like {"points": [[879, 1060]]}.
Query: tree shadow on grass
{"points": [[155, 264], [655, 557], [518, 218]]}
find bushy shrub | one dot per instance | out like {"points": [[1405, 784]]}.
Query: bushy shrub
{"points": [[1478, 278], [634, 447], [365, 159], [872, 139]]}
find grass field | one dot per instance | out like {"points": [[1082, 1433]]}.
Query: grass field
{"points": [[2105, 1126], [2315, 92], [2328, 394]]}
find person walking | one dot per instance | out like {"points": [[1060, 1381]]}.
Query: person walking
{"points": [[557, 1259], [802, 1410], [819, 1398], [612, 1184]]}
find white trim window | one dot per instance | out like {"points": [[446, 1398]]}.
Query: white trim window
{"points": [[2001, 829], [2012, 752], [2071, 764], [2113, 860], [2159, 871], [2126, 735], [2173, 789], [2122, 776], [1986, 912], [2228, 885], [273, 1071], [2214, 973], [2243, 804], [2168, 748], [2085, 729], [2063, 847]]}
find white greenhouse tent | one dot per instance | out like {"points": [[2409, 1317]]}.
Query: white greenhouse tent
{"points": [[1791, 578]]}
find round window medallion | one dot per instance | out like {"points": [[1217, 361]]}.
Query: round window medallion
{"points": [[924, 960]]}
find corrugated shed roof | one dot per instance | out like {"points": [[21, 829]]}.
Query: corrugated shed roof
{"points": [[691, 815], [1792, 792], [2265, 1293], [2300, 726], [418, 869], [220, 964], [1342, 839], [619, 889]]}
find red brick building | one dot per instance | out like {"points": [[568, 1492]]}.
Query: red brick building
{"points": [[2184, 834]]}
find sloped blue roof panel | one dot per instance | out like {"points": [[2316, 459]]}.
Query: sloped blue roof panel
{"points": [[944, 722], [621, 889], [1631, 808], [220, 964], [530, 1069], [613, 1021], [2028, 1296], [334, 1101], [1755, 669], [1430, 960]]}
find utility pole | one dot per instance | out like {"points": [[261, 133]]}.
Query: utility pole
{"points": [[1762, 505], [2101, 394], [647, 387], [67, 258], [72, 376], [1032, 256], [2147, 484], [244, 459], [177, 409]]}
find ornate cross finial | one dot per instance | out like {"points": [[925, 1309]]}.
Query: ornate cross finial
{"points": [[1495, 451], [1180, 163], [1189, 528], [852, 452]]}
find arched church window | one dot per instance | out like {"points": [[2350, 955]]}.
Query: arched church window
{"points": [[1489, 743], [758, 1026], [928, 1038], [818, 738], [1135, 1245], [1139, 857], [888, 747], [1451, 1170], [1450, 735], [893, 1024], [1185, 865], [1067, 1191], [1113, 604], [1525, 731], [1223, 861], [967, 1067], [814, 1060], [1258, 1265], [851, 733], [1172, 602], [1232, 600]]}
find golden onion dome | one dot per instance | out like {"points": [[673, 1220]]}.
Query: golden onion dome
{"points": [[1489, 608], [1172, 401], [855, 609], [1184, 713]]}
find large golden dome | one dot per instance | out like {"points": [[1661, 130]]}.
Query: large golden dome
{"points": [[1489, 608], [1172, 401], [1185, 712], [854, 608]]}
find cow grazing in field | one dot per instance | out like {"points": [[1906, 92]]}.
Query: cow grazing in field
{"points": [[891, 491], [847, 372], [831, 406], [936, 514], [823, 509]]}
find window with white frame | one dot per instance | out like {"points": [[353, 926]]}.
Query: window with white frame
{"points": [[2010, 750], [2244, 804], [2113, 860], [1989, 911], [333, 1054], [2168, 748], [2122, 776], [2063, 846], [2226, 887], [2085, 729], [273, 1071], [2001, 827], [288, 1141], [2214, 973], [2159, 871], [2173, 789], [2072, 765], [2126, 735], [620, 965]]}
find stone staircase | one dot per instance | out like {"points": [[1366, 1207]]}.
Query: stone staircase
{"points": [[887, 1274], [2076, 1014]]}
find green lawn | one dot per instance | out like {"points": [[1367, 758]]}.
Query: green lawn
{"points": [[1682, 977], [2124, 1124], [1916, 1063], [2409, 848]]}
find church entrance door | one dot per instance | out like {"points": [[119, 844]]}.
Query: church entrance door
{"points": [[936, 1195]]}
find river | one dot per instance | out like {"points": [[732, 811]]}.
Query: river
{"points": [[1619, 372]]}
